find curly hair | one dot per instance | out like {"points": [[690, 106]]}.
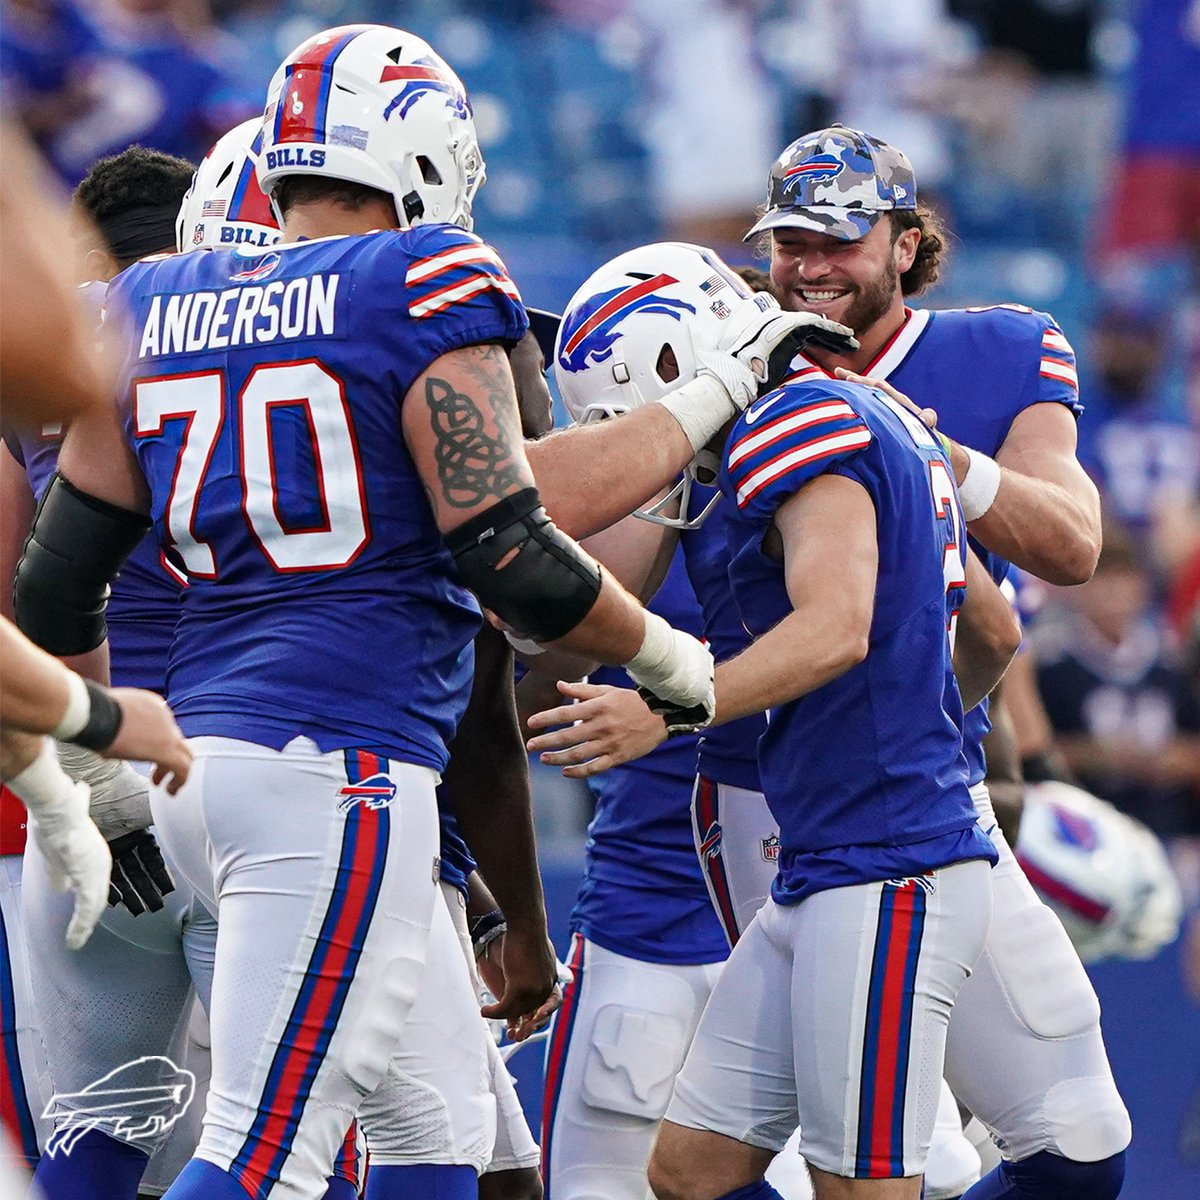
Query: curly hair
{"points": [[931, 250], [135, 177]]}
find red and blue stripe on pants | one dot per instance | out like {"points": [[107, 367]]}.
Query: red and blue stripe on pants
{"points": [[888, 1033], [327, 980], [556, 1054]]}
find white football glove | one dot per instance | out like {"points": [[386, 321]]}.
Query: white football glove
{"points": [[76, 857], [733, 369], [741, 356], [120, 796]]}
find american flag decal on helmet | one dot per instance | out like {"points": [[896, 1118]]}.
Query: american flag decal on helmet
{"points": [[455, 273]]}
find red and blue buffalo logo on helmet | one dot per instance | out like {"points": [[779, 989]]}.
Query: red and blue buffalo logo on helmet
{"points": [[821, 168], [592, 328], [1074, 829], [422, 77]]}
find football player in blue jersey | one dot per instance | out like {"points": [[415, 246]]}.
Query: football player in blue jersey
{"points": [[848, 240], [653, 352], [325, 437], [848, 560]]}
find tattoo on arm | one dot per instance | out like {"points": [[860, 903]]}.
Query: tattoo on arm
{"points": [[474, 445]]}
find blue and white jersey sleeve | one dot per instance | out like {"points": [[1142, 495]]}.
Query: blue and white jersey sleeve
{"points": [[458, 278], [785, 440]]}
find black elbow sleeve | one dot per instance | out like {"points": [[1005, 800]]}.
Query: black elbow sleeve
{"points": [[546, 585], [74, 551]]}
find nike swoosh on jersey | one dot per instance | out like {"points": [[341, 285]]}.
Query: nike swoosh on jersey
{"points": [[752, 414]]}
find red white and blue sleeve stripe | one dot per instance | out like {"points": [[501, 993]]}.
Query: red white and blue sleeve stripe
{"points": [[769, 461], [1057, 378], [464, 267]]}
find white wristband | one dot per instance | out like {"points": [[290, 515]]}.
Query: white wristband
{"points": [[977, 492], [701, 408], [675, 666], [79, 709]]}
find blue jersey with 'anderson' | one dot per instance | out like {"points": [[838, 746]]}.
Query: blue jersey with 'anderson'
{"points": [[979, 369], [264, 399], [865, 775], [643, 894]]}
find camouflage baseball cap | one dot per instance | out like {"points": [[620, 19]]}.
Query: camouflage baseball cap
{"points": [[837, 181]]}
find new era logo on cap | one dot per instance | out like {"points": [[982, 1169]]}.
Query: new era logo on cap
{"points": [[837, 181]]}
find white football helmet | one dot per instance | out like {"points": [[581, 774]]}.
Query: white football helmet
{"points": [[611, 353], [377, 106], [225, 206], [1104, 874]]}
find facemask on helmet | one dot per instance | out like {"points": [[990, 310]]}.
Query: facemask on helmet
{"points": [[1104, 874], [629, 336], [225, 207], [375, 105]]}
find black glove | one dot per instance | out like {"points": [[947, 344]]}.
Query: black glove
{"points": [[780, 363], [677, 720], [140, 878]]}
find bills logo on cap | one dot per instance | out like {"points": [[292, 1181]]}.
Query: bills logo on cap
{"points": [[821, 168]]}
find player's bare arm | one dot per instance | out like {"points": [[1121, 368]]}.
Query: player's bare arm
{"points": [[1042, 511], [40, 695], [591, 476], [462, 428], [826, 539], [488, 777], [1045, 517], [989, 635]]}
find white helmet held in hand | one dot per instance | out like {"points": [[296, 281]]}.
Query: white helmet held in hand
{"points": [[612, 351], [1104, 874], [377, 106], [225, 206]]}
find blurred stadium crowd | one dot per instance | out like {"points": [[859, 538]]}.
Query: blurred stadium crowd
{"points": [[1060, 139]]}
